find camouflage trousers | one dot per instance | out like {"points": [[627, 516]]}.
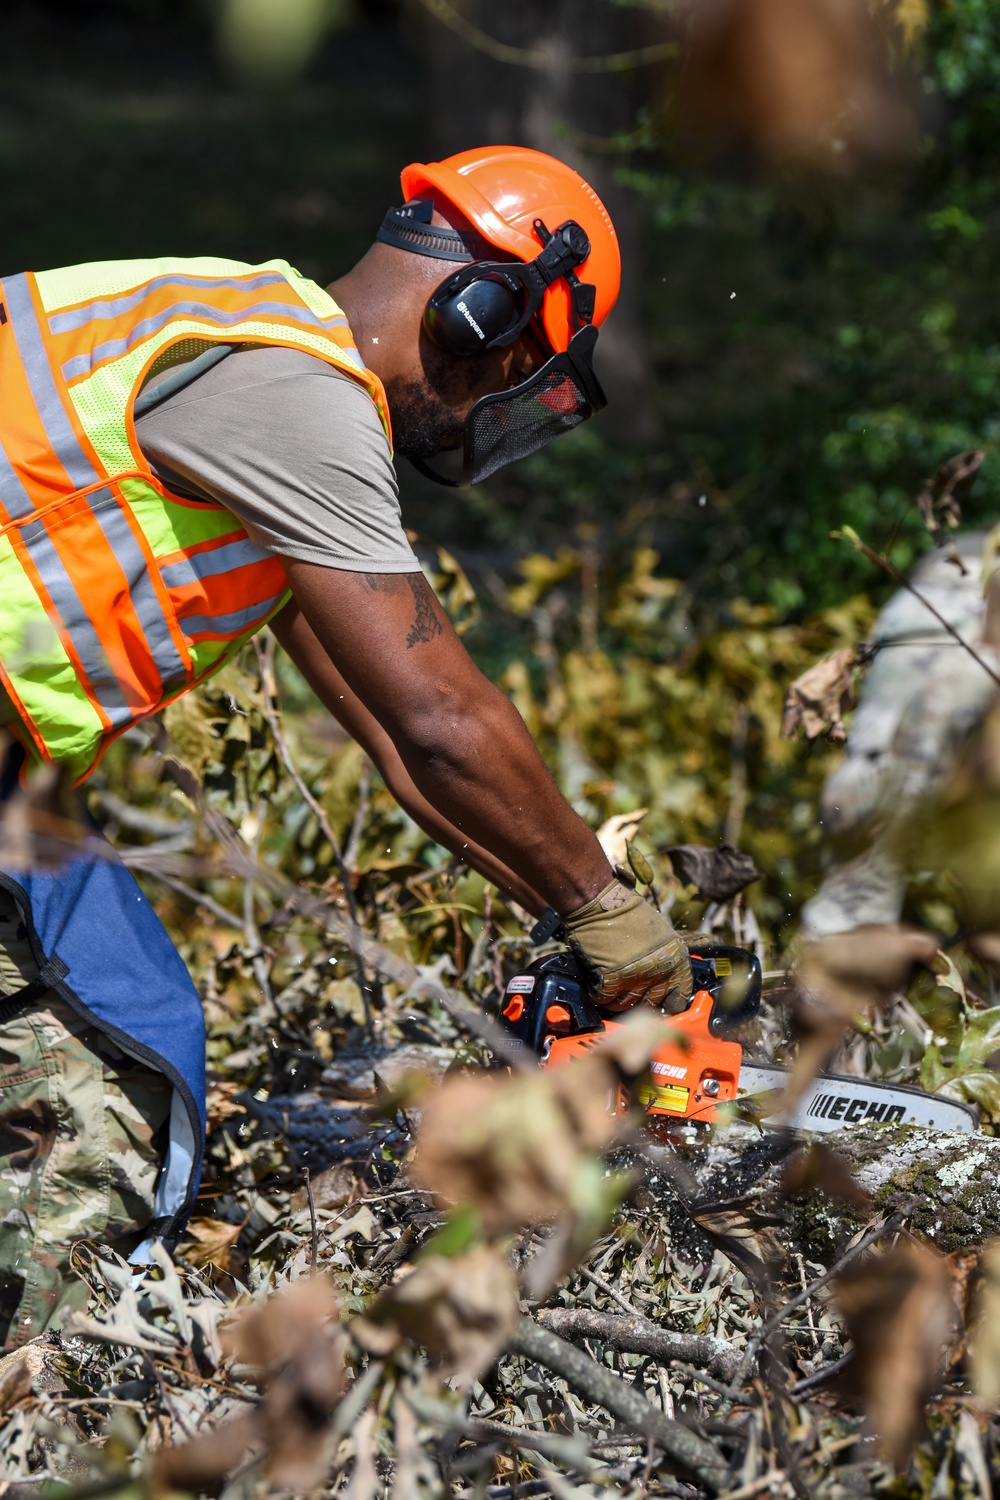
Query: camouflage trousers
{"points": [[83, 1131]]}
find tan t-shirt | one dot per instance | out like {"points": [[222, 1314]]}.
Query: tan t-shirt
{"points": [[292, 447]]}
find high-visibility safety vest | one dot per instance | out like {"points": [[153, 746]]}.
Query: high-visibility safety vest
{"points": [[116, 596]]}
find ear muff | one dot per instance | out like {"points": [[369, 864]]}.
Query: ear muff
{"points": [[488, 304], [469, 319]]}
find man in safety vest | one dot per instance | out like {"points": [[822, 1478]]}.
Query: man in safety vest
{"points": [[190, 449]]}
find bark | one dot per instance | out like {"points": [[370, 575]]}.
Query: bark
{"points": [[638, 1335], [946, 1183], [691, 1453]]}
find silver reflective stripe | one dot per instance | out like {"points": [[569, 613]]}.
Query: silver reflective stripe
{"points": [[73, 617], [35, 360], [108, 689], [210, 563], [115, 307], [241, 619], [141, 591], [354, 357], [15, 498], [82, 364], [85, 641]]}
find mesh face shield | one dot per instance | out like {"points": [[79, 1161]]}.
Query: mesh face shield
{"points": [[507, 425]]}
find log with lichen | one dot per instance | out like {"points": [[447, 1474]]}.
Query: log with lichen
{"points": [[947, 1184]]}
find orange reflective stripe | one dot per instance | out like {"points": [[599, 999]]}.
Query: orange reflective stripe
{"points": [[92, 558], [224, 588]]}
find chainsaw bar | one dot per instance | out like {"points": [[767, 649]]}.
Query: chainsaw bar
{"points": [[833, 1101]]}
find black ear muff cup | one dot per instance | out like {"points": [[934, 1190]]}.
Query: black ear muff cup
{"points": [[468, 321]]}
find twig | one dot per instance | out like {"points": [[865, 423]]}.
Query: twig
{"points": [[314, 1242], [353, 845], [540, 57], [636, 1334], [821, 1377], [738, 776], [609, 1290], [251, 932], [694, 1454], [666, 1395], [809, 1312], [762, 1482], [894, 1222], [265, 662], [713, 1385], [235, 858], [200, 899], [883, 562]]}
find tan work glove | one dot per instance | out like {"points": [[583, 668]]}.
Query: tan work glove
{"points": [[632, 949]]}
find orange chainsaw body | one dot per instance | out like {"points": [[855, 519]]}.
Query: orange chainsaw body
{"points": [[695, 1070], [689, 1076]]}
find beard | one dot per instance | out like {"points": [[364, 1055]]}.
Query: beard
{"points": [[428, 415]]}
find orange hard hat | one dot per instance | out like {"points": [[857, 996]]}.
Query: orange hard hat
{"points": [[502, 190]]}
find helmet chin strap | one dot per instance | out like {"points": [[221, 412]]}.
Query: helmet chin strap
{"points": [[410, 228]]}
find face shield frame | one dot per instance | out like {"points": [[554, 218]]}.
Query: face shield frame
{"points": [[507, 425], [504, 426]]}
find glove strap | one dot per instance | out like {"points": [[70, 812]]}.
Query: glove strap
{"points": [[549, 925]]}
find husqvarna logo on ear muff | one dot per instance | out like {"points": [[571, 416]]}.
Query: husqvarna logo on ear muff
{"points": [[463, 309]]}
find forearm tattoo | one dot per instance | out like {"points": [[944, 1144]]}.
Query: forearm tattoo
{"points": [[426, 624]]}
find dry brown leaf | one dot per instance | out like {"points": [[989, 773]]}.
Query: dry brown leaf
{"points": [[222, 1105], [331, 1188], [717, 871], [964, 1268], [901, 1315], [817, 700], [614, 835], [461, 1309], [15, 1382], [837, 979], [743, 1233], [295, 1344], [365, 1481], [940, 500], [189, 1468], [793, 81], [819, 1169], [512, 1146], [209, 1242], [631, 1044]]}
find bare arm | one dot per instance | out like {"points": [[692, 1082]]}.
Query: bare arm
{"points": [[459, 742], [296, 635]]}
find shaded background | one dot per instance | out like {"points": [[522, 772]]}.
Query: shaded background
{"points": [[808, 324], [860, 348]]}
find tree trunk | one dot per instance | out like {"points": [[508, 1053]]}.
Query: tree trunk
{"points": [[476, 99]]}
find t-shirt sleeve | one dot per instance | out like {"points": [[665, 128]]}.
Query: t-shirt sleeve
{"points": [[292, 447]]}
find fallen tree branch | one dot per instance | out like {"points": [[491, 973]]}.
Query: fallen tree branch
{"points": [[694, 1454], [638, 1335]]}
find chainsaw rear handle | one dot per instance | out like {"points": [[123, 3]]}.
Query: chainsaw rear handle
{"points": [[550, 997]]}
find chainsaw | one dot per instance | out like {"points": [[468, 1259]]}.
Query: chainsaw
{"points": [[698, 1077]]}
